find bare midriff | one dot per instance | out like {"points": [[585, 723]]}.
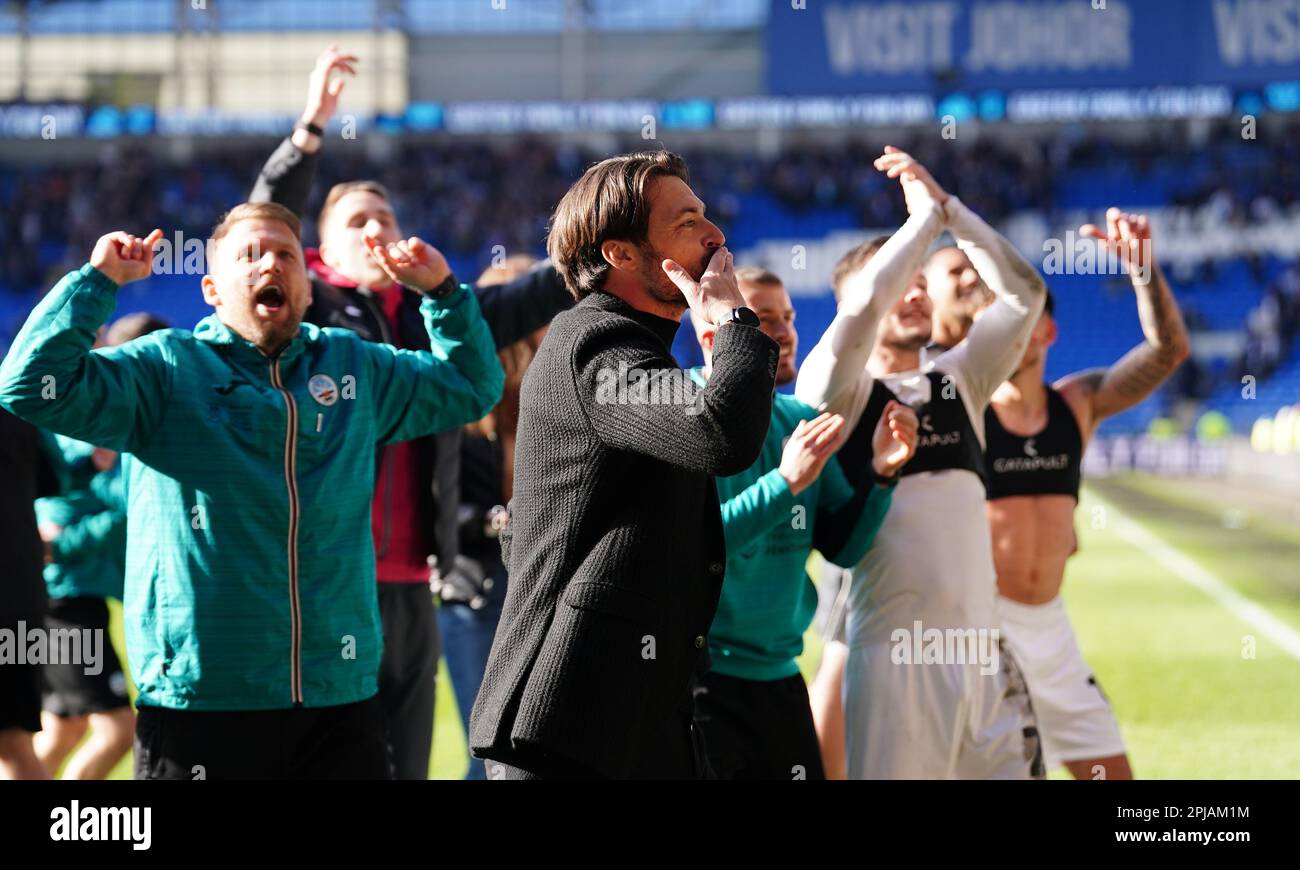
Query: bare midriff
{"points": [[1033, 537]]}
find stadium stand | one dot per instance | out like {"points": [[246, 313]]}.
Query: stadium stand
{"points": [[472, 199]]}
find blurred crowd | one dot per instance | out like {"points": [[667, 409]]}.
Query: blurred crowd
{"points": [[470, 198], [1272, 326]]}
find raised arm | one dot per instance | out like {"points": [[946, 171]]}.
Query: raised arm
{"points": [[998, 338], [460, 379], [51, 377], [287, 176], [522, 306], [833, 377], [716, 429], [1101, 393]]}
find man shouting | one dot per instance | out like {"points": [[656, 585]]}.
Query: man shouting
{"points": [[251, 620]]}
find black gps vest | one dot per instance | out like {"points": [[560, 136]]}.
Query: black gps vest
{"points": [[1046, 463], [945, 440]]}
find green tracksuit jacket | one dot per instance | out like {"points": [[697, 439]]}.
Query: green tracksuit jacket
{"points": [[89, 553], [250, 572]]}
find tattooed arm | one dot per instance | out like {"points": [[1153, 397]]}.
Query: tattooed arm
{"points": [[1100, 393]]}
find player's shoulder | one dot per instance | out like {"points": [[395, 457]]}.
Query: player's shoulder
{"points": [[1079, 384], [603, 327], [578, 321], [162, 337], [1077, 390], [815, 385]]}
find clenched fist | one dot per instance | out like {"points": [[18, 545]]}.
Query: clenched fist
{"points": [[124, 258]]}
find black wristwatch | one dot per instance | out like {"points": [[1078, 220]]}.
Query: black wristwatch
{"points": [[449, 286], [884, 482], [743, 316], [309, 127]]}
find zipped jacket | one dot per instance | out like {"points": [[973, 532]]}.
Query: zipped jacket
{"points": [[250, 567]]}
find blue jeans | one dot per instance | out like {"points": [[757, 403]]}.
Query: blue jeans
{"points": [[466, 642]]}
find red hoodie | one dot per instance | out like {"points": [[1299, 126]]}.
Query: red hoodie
{"points": [[401, 553]]}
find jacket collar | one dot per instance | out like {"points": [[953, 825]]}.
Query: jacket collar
{"points": [[212, 331], [664, 328]]}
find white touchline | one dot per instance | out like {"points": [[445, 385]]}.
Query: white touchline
{"points": [[1194, 575]]}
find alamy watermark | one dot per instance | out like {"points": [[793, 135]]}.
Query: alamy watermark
{"points": [[1081, 255], [75, 823], [629, 385], [196, 255], [181, 255], [947, 646], [53, 646]]}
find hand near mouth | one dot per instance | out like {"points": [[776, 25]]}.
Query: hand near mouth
{"points": [[413, 263]]}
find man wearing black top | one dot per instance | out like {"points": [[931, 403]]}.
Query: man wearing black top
{"points": [[1036, 437], [28, 472], [417, 483], [615, 545]]}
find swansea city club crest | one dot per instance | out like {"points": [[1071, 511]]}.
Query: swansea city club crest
{"points": [[323, 389]]}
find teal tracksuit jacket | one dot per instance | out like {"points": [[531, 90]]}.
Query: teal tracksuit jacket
{"points": [[767, 599], [250, 571], [90, 551]]}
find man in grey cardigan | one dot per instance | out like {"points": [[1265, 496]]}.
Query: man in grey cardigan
{"points": [[614, 545]]}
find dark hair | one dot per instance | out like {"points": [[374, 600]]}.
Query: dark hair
{"points": [[609, 202], [131, 326], [853, 261], [1049, 305]]}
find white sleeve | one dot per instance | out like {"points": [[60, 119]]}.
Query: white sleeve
{"points": [[997, 340], [833, 377]]}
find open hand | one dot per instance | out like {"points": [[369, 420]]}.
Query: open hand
{"points": [[808, 449], [1129, 237], [324, 87], [920, 189], [894, 441], [412, 263]]}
